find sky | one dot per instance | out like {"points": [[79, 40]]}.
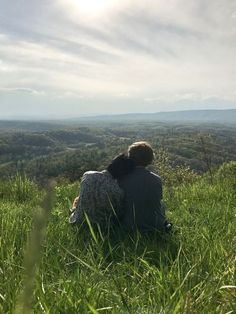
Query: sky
{"points": [[70, 58]]}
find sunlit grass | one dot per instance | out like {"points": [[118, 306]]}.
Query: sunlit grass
{"points": [[89, 270]]}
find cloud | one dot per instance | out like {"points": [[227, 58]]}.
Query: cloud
{"points": [[190, 97], [6, 67], [24, 90], [174, 50]]}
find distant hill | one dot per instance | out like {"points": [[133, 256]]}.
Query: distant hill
{"points": [[218, 116], [226, 116]]}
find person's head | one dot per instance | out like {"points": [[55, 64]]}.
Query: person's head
{"points": [[120, 166], [141, 153]]}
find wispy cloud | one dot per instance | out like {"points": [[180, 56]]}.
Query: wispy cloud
{"points": [[21, 90]]}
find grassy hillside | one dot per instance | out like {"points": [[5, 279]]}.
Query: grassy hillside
{"points": [[72, 270]]}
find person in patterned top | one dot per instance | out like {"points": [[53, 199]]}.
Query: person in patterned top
{"points": [[101, 198]]}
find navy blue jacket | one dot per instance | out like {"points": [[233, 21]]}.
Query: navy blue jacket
{"points": [[142, 202]]}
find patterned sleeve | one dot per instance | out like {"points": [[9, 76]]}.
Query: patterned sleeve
{"points": [[78, 215], [86, 188]]}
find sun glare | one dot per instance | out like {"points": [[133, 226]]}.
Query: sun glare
{"points": [[93, 7]]}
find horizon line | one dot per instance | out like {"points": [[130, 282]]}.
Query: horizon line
{"points": [[45, 117]]}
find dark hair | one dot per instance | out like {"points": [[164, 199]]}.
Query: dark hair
{"points": [[141, 153], [120, 166]]}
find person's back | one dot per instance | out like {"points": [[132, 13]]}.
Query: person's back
{"points": [[100, 196], [143, 192]]}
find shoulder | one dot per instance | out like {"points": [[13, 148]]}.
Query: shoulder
{"points": [[145, 172], [155, 176], [91, 175], [91, 172]]}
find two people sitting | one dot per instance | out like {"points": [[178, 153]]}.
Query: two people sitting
{"points": [[126, 192]]}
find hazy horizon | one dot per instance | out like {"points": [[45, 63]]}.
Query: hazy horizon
{"points": [[207, 112], [77, 58]]}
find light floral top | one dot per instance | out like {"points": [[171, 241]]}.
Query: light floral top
{"points": [[100, 198]]}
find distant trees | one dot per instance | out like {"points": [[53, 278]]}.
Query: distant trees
{"points": [[69, 152]]}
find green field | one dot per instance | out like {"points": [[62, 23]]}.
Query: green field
{"points": [[48, 266]]}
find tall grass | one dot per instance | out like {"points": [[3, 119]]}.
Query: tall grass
{"points": [[19, 189], [89, 270], [32, 254]]}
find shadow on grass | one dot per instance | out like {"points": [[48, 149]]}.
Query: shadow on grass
{"points": [[154, 247], [117, 245]]}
